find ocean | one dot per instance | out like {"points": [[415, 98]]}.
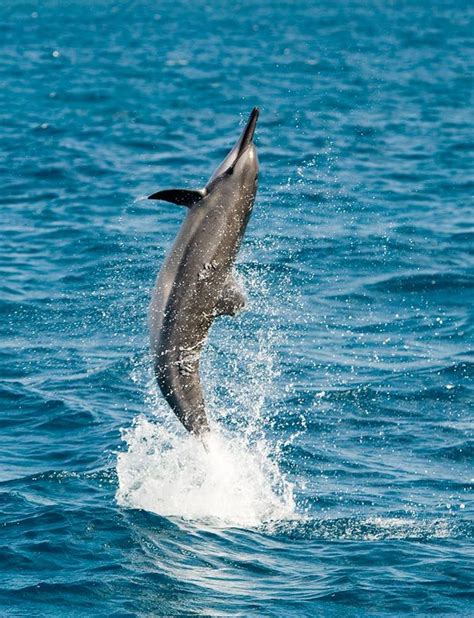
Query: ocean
{"points": [[339, 477]]}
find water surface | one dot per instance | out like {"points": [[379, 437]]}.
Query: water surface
{"points": [[339, 480]]}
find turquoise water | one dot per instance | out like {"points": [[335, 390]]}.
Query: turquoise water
{"points": [[338, 481]]}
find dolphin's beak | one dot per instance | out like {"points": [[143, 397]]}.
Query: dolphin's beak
{"points": [[244, 141], [248, 133]]}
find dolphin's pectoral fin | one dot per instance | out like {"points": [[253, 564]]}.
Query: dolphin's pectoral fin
{"points": [[182, 197], [232, 299]]}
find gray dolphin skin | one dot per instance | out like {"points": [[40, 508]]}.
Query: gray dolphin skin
{"points": [[196, 283]]}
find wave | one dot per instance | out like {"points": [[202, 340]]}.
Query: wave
{"points": [[425, 282], [376, 528]]}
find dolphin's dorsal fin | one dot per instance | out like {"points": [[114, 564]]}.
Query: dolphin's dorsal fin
{"points": [[182, 197]]}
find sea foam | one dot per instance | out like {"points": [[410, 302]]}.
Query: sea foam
{"points": [[233, 483]]}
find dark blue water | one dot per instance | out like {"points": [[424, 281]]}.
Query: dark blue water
{"points": [[341, 399]]}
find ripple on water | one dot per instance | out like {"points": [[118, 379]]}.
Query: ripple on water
{"points": [[340, 475]]}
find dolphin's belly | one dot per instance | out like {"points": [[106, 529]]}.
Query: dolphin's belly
{"points": [[189, 291], [191, 284], [169, 275], [190, 309]]}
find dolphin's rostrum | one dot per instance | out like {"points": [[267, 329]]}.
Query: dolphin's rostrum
{"points": [[196, 282]]}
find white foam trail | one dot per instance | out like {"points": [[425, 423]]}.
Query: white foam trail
{"points": [[172, 475]]}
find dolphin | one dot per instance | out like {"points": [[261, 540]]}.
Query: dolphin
{"points": [[196, 282]]}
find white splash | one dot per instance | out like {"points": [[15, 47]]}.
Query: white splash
{"points": [[238, 482], [172, 475]]}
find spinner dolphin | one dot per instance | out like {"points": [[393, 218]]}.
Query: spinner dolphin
{"points": [[196, 283]]}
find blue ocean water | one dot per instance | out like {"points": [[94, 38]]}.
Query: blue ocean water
{"points": [[341, 398]]}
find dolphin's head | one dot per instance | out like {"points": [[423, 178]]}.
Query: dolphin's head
{"points": [[239, 170]]}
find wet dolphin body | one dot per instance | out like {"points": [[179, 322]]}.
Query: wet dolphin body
{"points": [[196, 282]]}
